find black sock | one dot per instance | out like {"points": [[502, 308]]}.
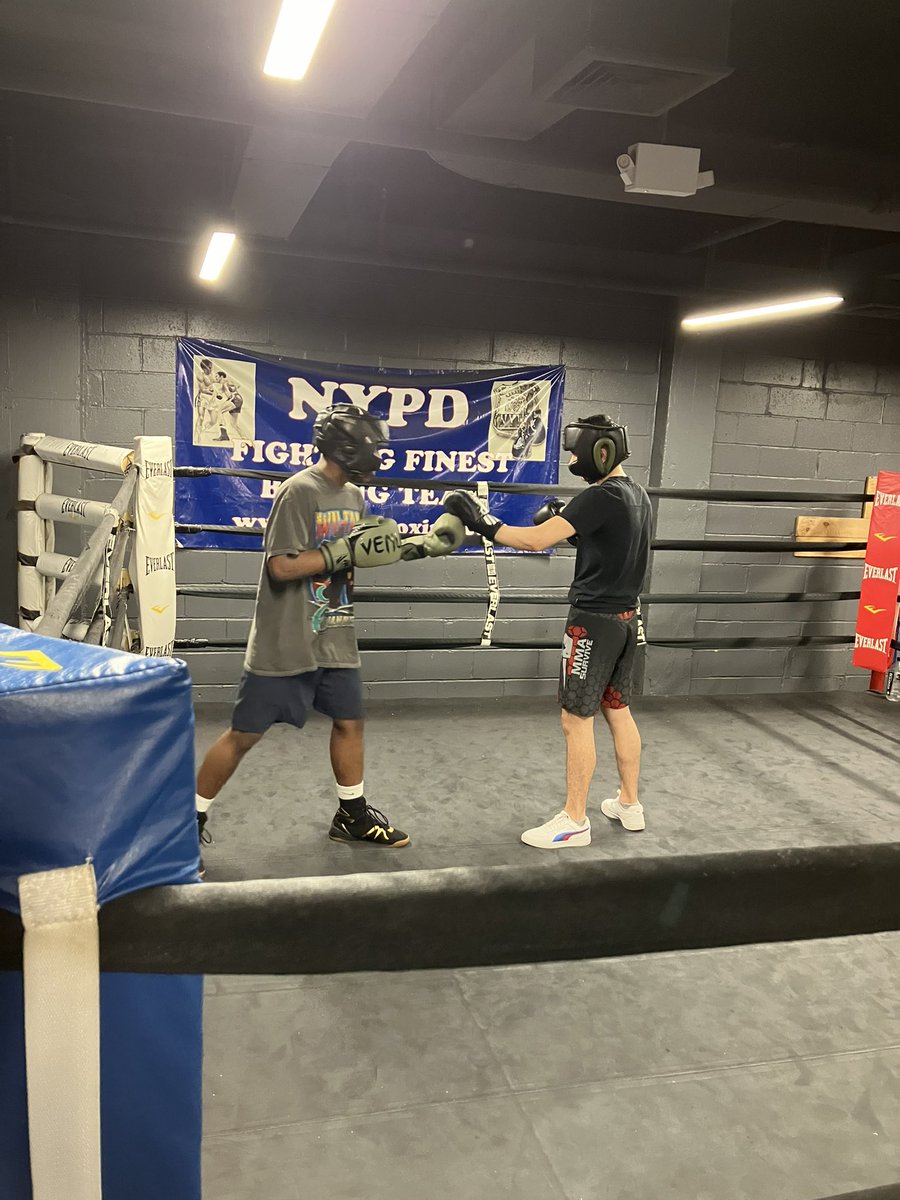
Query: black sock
{"points": [[355, 809]]}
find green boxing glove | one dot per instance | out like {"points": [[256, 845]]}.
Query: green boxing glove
{"points": [[446, 535], [374, 542], [465, 506]]}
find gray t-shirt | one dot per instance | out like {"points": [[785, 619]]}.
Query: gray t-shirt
{"points": [[305, 624]]}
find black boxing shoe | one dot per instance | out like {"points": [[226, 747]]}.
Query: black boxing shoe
{"points": [[372, 827], [204, 837]]}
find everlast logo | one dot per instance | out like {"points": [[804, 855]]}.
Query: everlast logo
{"points": [[78, 450], [152, 470], [165, 562], [75, 508], [887, 499], [879, 645], [888, 574], [159, 651]]}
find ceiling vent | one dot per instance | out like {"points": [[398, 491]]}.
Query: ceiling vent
{"points": [[631, 56], [628, 88]]}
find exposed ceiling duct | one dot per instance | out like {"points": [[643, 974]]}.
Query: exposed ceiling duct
{"points": [[631, 56], [282, 169], [640, 57]]}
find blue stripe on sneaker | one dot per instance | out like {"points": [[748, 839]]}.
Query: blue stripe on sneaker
{"points": [[564, 837]]}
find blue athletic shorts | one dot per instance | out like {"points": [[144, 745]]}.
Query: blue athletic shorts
{"points": [[266, 700]]}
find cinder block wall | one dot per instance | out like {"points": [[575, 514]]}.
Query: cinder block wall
{"points": [[796, 409], [104, 370], [788, 423]]}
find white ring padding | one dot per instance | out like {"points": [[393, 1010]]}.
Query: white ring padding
{"points": [[31, 536], [76, 631], [55, 566], [61, 968], [70, 510], [153, 561], [79, 579], [49, 534], [89, 455]]}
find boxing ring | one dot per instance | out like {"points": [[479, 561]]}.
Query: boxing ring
{"points": [[102, 912], [129, 553]]}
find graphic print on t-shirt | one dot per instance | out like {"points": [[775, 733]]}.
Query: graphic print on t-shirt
{"points": [[332, 595]]}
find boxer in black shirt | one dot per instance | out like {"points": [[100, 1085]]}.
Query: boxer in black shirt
{"points": [[609, 523]]}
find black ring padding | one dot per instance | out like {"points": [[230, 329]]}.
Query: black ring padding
{"points": [[26, 506], [398, 595], [485, 915], [237, 531], [748, 597], [749, 643], [30, 614], [730, 545], [375, 644], [26, 560], [713, 495], [752, 545], [688, 643], [452, 595], [740, 496]]}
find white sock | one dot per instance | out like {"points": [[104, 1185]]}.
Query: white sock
{"points": [[202, 803], [356, 792]]}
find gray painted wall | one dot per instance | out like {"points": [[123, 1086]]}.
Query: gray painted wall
{"points": [[116, 362], [787, 423], [789, 409]]}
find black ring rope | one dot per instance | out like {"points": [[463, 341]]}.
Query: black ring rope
{"points": [[712, 495], [333, 924], [729, 545], [369, 644], [455, 595]]}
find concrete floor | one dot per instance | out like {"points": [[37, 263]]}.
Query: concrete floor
{"points": [[767, 1071]]}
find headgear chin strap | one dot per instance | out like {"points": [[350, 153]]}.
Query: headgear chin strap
{"points": [[350, 437], [588, 439]]}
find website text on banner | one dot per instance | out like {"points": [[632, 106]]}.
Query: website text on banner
{"points": [[234, 409], [877, 616]]}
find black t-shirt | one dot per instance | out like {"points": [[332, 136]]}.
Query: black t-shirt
{"points": [[612, 520]]}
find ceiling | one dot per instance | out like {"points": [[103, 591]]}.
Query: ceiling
{"points": [[461, 139]]}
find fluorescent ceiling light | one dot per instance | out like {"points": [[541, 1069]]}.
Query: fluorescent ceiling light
{"points": [[220, 246], [762, 311], [298, 29]]}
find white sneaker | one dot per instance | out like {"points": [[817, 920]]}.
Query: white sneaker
{"points": [[631, 815], [558, 833]]}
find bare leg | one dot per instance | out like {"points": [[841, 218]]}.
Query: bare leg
{"points": [[347, 752], [627, 744], [222, 760], [581, 759]]}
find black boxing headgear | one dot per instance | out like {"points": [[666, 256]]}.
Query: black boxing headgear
{"points": [[588, 439], [351, 438]]}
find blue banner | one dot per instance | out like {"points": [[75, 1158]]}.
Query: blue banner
{"points": [[244, 412]]}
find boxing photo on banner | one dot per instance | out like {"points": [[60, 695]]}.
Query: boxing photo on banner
{"points": [[224, 400]]}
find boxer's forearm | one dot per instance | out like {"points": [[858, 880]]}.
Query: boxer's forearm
{"points": [[287, 567], [534, 539]]}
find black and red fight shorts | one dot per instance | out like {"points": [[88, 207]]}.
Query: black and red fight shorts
{"points": [[597, 665]]}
